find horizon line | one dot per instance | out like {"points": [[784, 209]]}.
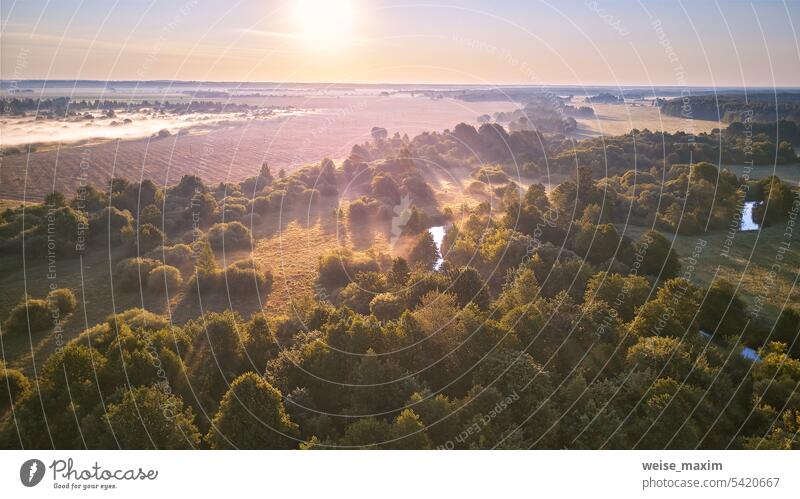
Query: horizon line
{"points": [[4, 81]]}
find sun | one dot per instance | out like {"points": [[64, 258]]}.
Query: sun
{"points": [[325, 24]]}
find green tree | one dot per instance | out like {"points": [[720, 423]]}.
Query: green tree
{"points": [[29, 315], [63, 299], [142, 418], [656, 255], [408, 432], [624, 294], [469, 287], [68, 390], [252, 416], [387, 306], [597, 243], [14, 386], [400, 272], [424, 253], [379, 386], [366, 433], [722, 312], [384, 188], [777, 202]]}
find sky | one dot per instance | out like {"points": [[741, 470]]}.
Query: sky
{"points": [[530, 42]]}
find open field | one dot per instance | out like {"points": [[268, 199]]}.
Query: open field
{"points": [[751, 257], [89, 278], [288, 243], [788, 173], [232, 153], [617, 119]]}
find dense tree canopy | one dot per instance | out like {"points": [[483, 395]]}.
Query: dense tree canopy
{"points": [[558, 316]]}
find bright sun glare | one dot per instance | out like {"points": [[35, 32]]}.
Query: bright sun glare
{"points": [[325, 24]]}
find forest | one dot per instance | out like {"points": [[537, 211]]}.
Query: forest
{"points": [[729, 108], [540, 322], [64, 107]]}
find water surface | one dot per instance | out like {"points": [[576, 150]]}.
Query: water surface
{"points": [[747, 222], [438, 236]]}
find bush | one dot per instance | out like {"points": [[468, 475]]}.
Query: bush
{"points": [[387, 306], [179, 255], [308, 196], [139, 319], [148, 238], [338, 268], [383, 187], [233, 211], [164, 277], [424, 252], [230, 236], [252, 219], [238, 279], [278, 200], [359, 211], [67, 227], [13, 387], [151, 214], [659, 259], [110, 220], [243, 275], [477, 187], [31, 314], [261, 205], [491, 175], [132, 272], [63, 299], [327, 189]]}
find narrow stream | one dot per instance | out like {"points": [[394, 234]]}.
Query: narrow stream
{"points": [[747, 222], [438, 236]]}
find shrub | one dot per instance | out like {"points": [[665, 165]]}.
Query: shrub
{"points": [[233, 211], [308, 197], [63, 299], [140, 319], [13, 387], [477, 187], [383, 187], [28, 314], [261, 205], [238, 279], [146, 239], [491, 175], [659, 259], [424, 252], [387, 306], [243, 275], [151, 214], [359, 211], [327, 189], [132, 272], [179, 255], [418, 189], [164, 277], [110, 220], [338, 268], [67, 227], [230, 236], [252, 219], [278, 200]]}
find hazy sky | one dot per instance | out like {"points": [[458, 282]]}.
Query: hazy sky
{"points": [[579, 42]]}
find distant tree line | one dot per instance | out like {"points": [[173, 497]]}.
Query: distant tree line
{"points": [[730, 108]]}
